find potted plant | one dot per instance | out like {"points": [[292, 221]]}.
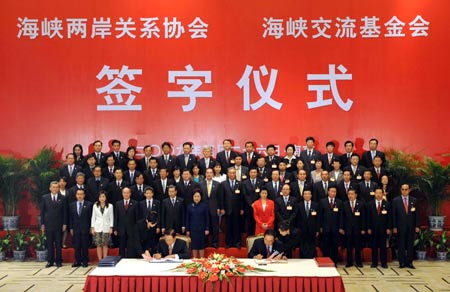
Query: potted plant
{"points": [[21, 242], [434, 182], [423, 241], [404, 168], [13, 181], [43, 168], [442, 247], [40, 246], [5, 245]]}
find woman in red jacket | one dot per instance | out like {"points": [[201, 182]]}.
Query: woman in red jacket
{"points": [[263, 212]]}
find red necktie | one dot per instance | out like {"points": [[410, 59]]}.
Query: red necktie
{"points": [[353, 207], [249, 159], [268, 252], [379, 208], [405, 203], [126, 205], [378, 173], [331, 204]]}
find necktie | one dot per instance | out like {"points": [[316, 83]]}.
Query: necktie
{"points": [[148, 204], [70, 170], [379, 208], [348, 155], [253, 183], [378, 172], [118, 184], [367, 185], [405, 204], [131, 177], [209, 189], [301, 187], [331, 203], [346, 188], [329, 158], [276, 187], [325, 186], [126, 205], [238, 172], [164, 186], [268, 252], [309, 153], [79, 208], [165, 159], [53, 198], [232, 184], [140, 189], [110, 171], [353, 207], [154, 173], [373, 154], [227, 155], [282, 177], [186, 158], [170, 249], [173, 202], [285, 201], [307, 209], [249, 158]]}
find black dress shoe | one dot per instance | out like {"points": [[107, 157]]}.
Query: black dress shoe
{"points": [[85, 265], [401, 266], [215, 245], [359, 265], [373, 266], [411, 266], [48, 265], [384, 266], [76, 265], [58, 265], [348, 265]]}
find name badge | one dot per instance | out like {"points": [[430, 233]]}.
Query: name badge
{"points": [[232, 161], [335, 209], [332, 179], [357, 213], [313, 161], [287, 181], [313, 213], [288, 166], [358, 177], [372, 193], [237, 191], [289, 208], [274, 166], [384, 212], [266, 179], [244, 177], [413, 209], [257, 190]]}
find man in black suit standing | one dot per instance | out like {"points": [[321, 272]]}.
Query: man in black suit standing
{"points": [[88, 170], [272, 160], [173, 212], [131, 174], [354, 226], [274, 185], [96, 184], [149, 220], [345, 185], [345, 158], [320, 188], [166, 160], [151, 174], [249, 156], [251, 187], [299, 185], [108, 170], [80, 185], [330, 215], [379, 225], [329, 156], [264, 172], [100, 157], [137, 190], [406, 222], [368, 156], [267, 247], [286, 207], [309, 156], [116, 186], [119, 156], [308, 223], [187, 159], [355, 168], [377, 170], [80, 214], [227, 156], [186, 188], [144, 162], [234, 208], [207, 161], [160, 186], [367, 187], [212, 196], [70, 170], [126, 213], [54, 223]]}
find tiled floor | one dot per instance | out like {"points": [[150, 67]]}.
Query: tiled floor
{"points": [[428, 276]]}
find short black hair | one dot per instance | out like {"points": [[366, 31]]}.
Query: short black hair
{"points": [[373, 139], [348, 141], [310, 138], [115, 141], [330, 143], [270, 146], [270, 232], [166, 144], [284, 226]]}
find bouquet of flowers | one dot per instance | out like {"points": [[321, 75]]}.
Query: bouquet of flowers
{"points": [[217, 267]]}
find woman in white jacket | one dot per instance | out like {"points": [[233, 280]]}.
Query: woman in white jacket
{"points": [[102, 224]]}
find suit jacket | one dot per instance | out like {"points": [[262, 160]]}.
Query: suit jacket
{"points": [[265, 174], [221, 158], [375, 177], [54, 214], [179, 247], [102, 161], [291, 166], [333, 176], [307, 160], [319, 192], [126, 176], [152, 214], [215, 201], [295, 188], [70, 196], [379, 222], [102, 222], [186, 192], [244, 173], [357, 176], [64, 172], [115, 192], [366, 194], [308, 223], [287, 178], [149, 178], [252, 163], [405, 221], [173, 216], [170, 165], [181, 163], [251, 193], [160, 193], [106, 174], [197, 217], [88, 172], [142, 164], [264, 216], [366, 158], [202, 164], [80, 223], [326, 164], [259, 247], [120, 159], [342, 191], [345, 161], [272, 162], [273, 193], [330, 218], [125, 219], [286, 212], [136, 194], [232, 197], [95, 187], [353, 222]]}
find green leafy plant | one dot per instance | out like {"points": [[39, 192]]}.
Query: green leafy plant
{"points": [[13, 182], [442, 243], [405, 168], [5, 243], [22, 239], [434, 181], [44, 168], [40, 241], [424, 239]]}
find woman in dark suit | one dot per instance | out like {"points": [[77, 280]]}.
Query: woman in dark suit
{"points": [[77, 151], [197, 224]]}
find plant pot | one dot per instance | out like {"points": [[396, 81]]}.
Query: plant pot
{"points": [[421, 255], [2, 256], [436, 223], [41, 255], [10, 222], [19, 255], [441, 255]]}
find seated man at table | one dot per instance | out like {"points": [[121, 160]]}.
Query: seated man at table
{"points": [[267, 247], [171, 247]]}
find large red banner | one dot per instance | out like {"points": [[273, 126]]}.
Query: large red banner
{"points": [[272, 72]]}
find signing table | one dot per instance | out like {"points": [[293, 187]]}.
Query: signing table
{"points": [[138, 275]]}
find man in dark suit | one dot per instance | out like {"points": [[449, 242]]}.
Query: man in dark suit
{"points": [[406, 222], [171, 247], [329, 156], [286, 207], [368, 156], [173, 212], [186, 187], [207, 161], [144, 162], [137, 190], [151, 174], [367, 187], [126, 213], [187, 159], [249, 156], [108, 170], [100, 157], [285, 176], [160, 186], [251, 187], [96, 184], [354, 226], [234, 208], [267, 247], [308, 223], [88, 170], [377, 170], [70, 170], [345, 158], [119, 156], [320, 188], [80, 185], [379, 225], [330, 215], [299, 185], [149, 220], [227, 156], [115, 187], [274, 185], [212, 196], [264, 172], [272, 160], [355, 169], [131, 174], [345, 185], [241, 171], [54, 223], [80, 213], [166, 160], [309, 156]]}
